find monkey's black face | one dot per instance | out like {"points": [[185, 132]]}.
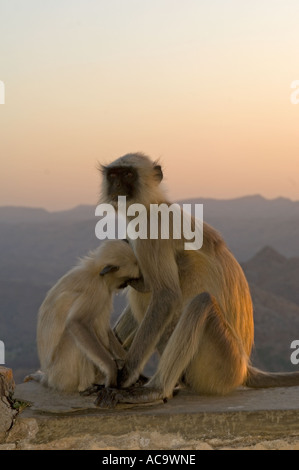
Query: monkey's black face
{"points": [[122, 181]]}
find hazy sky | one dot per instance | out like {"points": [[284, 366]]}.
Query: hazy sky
{"points": [[204, 85]]}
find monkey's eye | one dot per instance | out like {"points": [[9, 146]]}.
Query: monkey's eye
{"points": [[128, 174], [112, 175]]}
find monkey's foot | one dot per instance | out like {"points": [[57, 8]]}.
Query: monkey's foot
{"points": [[109, 397], [28, 378], [93, 389], [36, 376]]}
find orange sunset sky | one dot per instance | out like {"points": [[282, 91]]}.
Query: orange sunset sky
{"points": [[204, 85]]}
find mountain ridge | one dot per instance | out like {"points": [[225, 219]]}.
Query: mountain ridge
{"points": [[16, 213]]}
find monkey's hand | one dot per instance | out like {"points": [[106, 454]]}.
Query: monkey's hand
{"points": [[139, 285], [141, 381], [92, 390], [109, 397], [125, 378]]}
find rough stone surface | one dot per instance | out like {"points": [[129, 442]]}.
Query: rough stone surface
{"points": [[246, 419], [7, 384], [6, 416], [6, 390]]}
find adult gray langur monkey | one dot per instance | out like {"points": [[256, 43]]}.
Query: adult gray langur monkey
{"points": [[76, 346], [198, 314]]}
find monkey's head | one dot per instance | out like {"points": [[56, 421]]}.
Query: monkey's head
{"points": [[117, 263], [135, 176]]}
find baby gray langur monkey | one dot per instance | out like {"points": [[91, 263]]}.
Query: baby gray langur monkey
{"points": [[76, 345]]}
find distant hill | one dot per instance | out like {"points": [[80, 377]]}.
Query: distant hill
{"points": [[19, 303], [252, 222], [274, 281], [17, 215], [275, 273], [37, 247], [248, 207], [247, 225], [276, 322]]}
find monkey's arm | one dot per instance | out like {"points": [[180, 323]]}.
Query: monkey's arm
{"points": [[158, 264], [78, 325], [115, 347], [126, 327]]}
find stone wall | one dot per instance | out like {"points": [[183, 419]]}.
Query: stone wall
{"points": [[7, 412], [245, 419]]}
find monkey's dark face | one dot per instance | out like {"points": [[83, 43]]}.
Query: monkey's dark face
{"points": [[134, 176], [122, 181]]}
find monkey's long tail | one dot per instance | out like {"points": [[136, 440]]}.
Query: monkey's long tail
{"points": [[258, 379]]}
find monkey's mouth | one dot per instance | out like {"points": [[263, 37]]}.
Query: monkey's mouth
{"points": [[123, 285], [127, 282]]}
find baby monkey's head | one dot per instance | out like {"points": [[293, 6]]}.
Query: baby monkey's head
{"points": [[117, 263]]}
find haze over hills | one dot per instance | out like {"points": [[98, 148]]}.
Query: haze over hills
{"points": [[37, 247], [15, 214], [247, 224], [248, 206], [252, 222], [274, 281], [259, 271]]}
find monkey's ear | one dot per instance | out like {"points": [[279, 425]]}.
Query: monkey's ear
{"points": [[158, 173], [109, 269]]}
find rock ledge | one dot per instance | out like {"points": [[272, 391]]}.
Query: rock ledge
{"points": [[247, 418]]}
